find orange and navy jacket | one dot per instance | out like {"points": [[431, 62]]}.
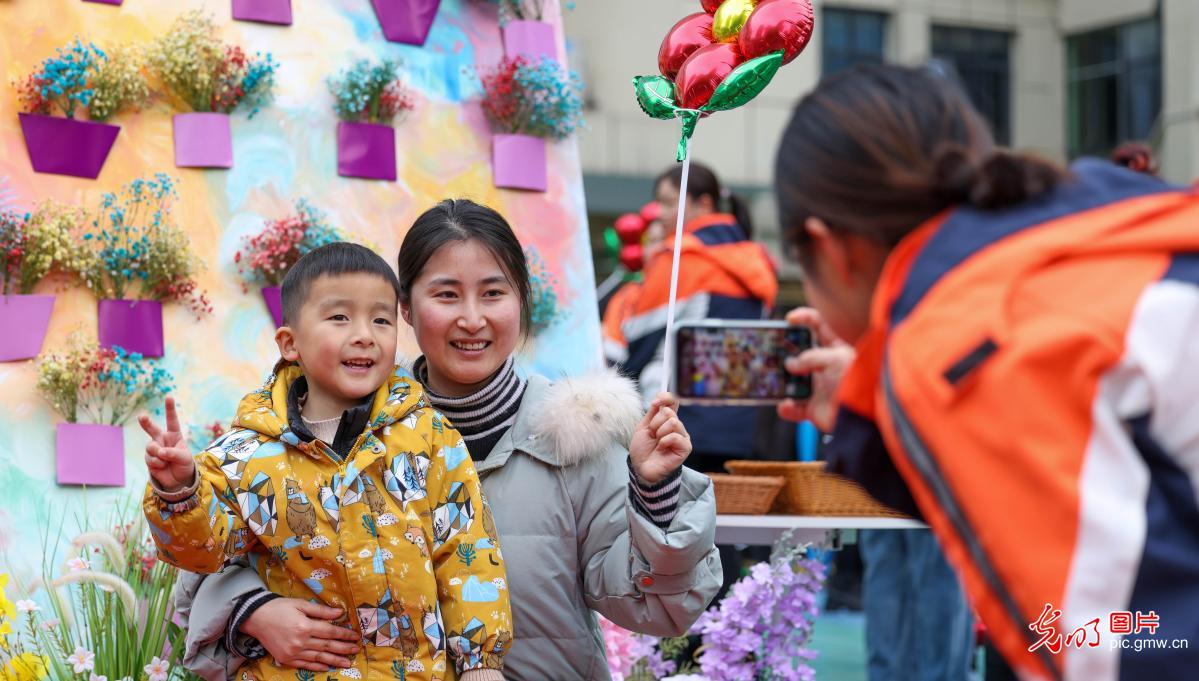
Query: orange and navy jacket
{"points": [[722, 275], [1033, 375], [621, 306]]}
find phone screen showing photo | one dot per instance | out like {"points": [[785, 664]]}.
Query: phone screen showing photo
{"points": [[738, 363]]}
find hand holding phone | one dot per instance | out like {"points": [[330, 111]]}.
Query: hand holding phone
{"points": [[823, 365], [739, 362]]}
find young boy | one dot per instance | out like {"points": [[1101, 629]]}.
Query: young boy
{"points": [[345, 487]]}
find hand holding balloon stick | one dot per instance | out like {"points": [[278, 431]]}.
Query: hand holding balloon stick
{"points": [[717, 60]]}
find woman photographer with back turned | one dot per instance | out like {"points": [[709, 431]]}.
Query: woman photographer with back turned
{"points": [[1013, 352]]}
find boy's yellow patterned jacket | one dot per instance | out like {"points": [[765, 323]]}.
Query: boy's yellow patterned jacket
{"points": [[398, 534]]}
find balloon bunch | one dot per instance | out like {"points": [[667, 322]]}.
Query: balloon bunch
{"points": [[630, 229], [716, 60], [723, 57]]}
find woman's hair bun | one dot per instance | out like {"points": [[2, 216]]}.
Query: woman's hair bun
{"points": [[999, 180]]}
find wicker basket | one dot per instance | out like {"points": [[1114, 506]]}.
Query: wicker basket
{"points": [[745, 494], [810, 490]]}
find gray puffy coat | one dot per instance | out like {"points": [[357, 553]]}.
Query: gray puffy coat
{"points": [[572, 543]]}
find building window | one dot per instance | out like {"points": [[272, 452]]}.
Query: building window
{"points": [[851, 37], [981, 63], [1115, 86]]}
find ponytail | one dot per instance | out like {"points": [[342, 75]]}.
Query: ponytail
{"points": [[999, 180], [739, 207]]}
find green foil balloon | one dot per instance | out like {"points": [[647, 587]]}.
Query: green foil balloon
{"points": [[612, 243], [729, 18], [745, 82], [655, 94], [690, 120]]}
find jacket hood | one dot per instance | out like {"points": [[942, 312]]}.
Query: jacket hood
{"points": [[746, 261], [265, 410], [578, 418]]}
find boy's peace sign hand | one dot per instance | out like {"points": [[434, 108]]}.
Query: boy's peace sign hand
{"points": [[170, 463]]}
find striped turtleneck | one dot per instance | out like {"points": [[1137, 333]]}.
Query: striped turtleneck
{"points": [[485, 415]]}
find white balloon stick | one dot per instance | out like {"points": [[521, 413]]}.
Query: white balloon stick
{"points": [[668, 351]]}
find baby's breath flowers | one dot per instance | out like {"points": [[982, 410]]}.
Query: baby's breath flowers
{"points": [[82, 78], [119, 83], [13, 237], [533, 97], [205, 74], [137, 249], [101, 385], [370, 93], [39, 244], [528, 10], [265, 257]]}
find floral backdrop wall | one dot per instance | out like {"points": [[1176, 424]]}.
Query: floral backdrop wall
{"points": [[286, 152]]}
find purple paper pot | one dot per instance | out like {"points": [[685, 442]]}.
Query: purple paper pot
{"points": [[90, 454], [518, 162], [406, 21], [532, 39], [366, 150], [274, 303], [203, 140], [263, 11], [135, 325], [24, 320], [64, 146], [105, 2]]}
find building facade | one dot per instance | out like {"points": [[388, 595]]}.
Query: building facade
{"points": [[1062, 78]]}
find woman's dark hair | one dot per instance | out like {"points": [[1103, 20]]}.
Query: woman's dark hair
{"points": [[460, 220], [877, 150], [702, 181]]}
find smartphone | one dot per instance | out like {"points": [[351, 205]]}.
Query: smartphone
{"points": [[738, 362]]}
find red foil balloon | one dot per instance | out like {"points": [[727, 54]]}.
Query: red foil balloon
{"points": [[710, 6], [777, 25], [650, 212], [704, 71], [629, 227], [691, 33], [631, 257]]}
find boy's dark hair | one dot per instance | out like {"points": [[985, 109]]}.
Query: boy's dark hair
{"points": [[332, 259], [459, 220]]}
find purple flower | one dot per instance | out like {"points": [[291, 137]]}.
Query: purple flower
{"points": [[760, 630]]}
